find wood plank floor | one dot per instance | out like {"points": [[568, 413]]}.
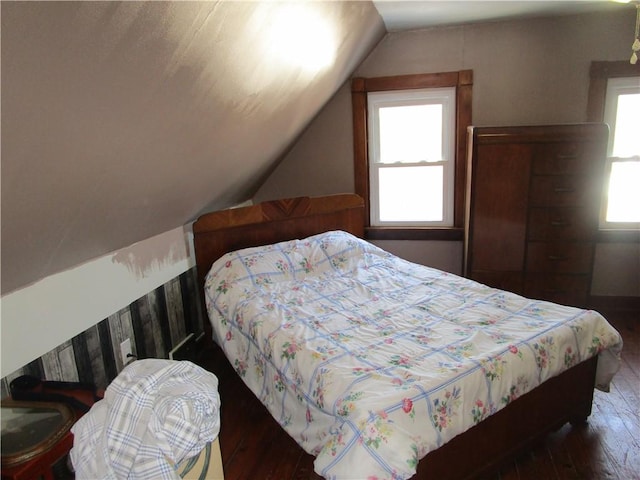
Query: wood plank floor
{"points": [[254, 447]]}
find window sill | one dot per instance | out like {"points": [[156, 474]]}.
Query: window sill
{"points": [[408, 233], [618, 236]]}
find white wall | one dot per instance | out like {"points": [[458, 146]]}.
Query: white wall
{"points": [[532, 71], [617, 270], [443, 255], [526, 71], [40, 317]]}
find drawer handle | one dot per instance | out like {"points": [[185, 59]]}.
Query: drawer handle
{"points": [[556, 258], [559, 223], [564, 190]]}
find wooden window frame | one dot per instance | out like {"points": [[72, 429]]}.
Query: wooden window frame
{"points": [[599, 74], [360, 87]]}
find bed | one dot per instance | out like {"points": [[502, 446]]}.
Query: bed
{"points": [[389, 390]]}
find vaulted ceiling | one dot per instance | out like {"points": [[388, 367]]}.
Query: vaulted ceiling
{"points": [[123, 120], [416, 14]]}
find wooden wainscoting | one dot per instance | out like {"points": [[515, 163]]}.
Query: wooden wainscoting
{"points": [[155, 323]]}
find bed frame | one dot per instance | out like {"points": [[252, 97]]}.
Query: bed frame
{"points": [[481, 449]]}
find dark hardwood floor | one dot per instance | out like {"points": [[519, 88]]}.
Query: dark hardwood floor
{"points": [[606, 447]]}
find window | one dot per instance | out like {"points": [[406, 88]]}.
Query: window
{"points": [[614, 98], [410, 151], [621, 206], [412, 157]]}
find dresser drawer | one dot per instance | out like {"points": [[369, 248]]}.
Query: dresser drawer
{"points": [[570, 223], [559, 257], [567, 158], [560, 288], [560, 191]]}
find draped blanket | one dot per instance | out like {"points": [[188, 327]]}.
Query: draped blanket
{"points": [[369, 361], [155, 414]]}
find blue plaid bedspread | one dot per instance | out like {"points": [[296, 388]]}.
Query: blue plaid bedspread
{"points": [[369, 361]]}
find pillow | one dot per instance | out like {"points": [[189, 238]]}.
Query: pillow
{"points": [[245, 274], [285, 261]]}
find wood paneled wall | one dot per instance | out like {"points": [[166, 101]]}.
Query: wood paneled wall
{"points": [[155, 323]]}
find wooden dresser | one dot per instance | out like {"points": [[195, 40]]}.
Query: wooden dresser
{"points": [[533, 199]]}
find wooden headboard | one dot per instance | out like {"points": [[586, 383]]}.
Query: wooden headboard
{"points": [[217, 233]]}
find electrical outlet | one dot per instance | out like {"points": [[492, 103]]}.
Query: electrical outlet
{"points": [[125, 351]]}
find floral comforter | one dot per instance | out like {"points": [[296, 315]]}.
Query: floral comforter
{"points": [[369, 361]]}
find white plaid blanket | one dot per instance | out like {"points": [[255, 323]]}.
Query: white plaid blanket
{"points": [[154, 414]]}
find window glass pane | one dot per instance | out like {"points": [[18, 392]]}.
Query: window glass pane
{"points": [[411, 133], [626, 138], [411, 153], [623, 204], [411, 194]]}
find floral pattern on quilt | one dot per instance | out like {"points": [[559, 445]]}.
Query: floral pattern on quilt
{"points": [[370, 362]]}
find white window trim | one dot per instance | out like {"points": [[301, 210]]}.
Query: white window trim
{"points": [[446, 96], [616, 87]]}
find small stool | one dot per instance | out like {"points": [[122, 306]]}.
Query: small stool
{"points": [[207, 464]]}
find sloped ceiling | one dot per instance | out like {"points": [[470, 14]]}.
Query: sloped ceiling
{"points": [[121, 121], [415, 14], [124, 120]]}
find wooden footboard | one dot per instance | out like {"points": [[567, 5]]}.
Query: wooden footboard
{"points": [[483, 448]]}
